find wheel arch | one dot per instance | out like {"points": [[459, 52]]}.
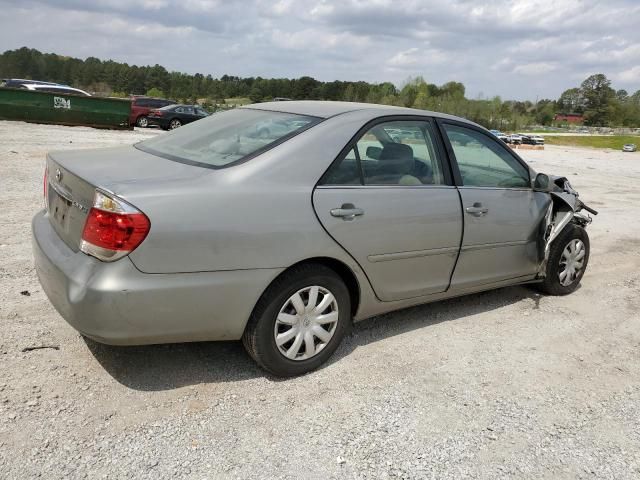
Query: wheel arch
{"points": [[340, 268]]}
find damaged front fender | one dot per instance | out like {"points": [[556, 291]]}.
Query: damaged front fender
{"points": [[565, 208]]}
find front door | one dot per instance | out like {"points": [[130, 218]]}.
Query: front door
{"points": [[391, 204], [502, 214]]}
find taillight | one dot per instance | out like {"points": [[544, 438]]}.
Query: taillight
{"points": [[113, 228], [156, 113]]}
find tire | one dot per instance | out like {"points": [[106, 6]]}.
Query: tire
{"points": [[174, 123], [553, 284], [142, 121], [265, 324]]}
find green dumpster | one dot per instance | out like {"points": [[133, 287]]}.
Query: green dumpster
{"points": [[63, 109]]}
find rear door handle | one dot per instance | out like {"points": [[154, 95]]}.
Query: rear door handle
{"points": [[347, 211], [477, 210]]}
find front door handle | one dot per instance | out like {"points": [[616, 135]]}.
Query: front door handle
{"points": [[477, 210], [347, 211]]}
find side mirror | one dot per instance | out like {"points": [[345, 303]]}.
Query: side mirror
{"points": [[374, 152], [542, 182]]}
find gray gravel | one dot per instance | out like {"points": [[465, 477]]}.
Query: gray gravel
{"points": [[503, 384]]}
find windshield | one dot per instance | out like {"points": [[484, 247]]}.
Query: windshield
{"points": [[226, 138]]}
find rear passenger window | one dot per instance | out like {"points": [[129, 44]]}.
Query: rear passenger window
{"points": [[346, 172], [401, 153]]}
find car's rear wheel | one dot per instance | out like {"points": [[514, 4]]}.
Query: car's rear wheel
{"points": [[299, 321], [567, 262], [142, 121], [175, 123]]}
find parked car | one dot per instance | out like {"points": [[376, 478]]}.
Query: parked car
{"points": [[500, 135], [530, 139], [537, 139], [629, 147], [141, 106], [213, 233], [21, 82], [525, 139], [59, 89], [174, 116], [515, 139]]}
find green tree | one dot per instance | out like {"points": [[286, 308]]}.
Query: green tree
{"points": [[598, 97], [571, 101], [155, 92]]}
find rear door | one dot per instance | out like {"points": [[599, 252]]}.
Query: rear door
{"points": [[502, 214], [388, 199], [189, 115]]}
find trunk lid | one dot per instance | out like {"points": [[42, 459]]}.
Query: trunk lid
{"points": [[73, 177]]}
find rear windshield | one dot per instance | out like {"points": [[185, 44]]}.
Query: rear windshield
{"points": [[228, 137]]}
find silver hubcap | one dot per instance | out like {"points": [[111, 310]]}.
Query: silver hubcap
{"points": [[571, 262], [143, 122], [306, 323], [174, 124]]}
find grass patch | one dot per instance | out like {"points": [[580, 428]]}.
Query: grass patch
{"points": [[610, 141]]}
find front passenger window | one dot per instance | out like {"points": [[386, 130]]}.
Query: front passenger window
{"points": [[483, 162]]}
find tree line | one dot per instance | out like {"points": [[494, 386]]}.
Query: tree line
{"points": [[600, 104], [595, 98]]}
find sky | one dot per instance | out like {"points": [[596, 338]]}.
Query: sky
{"points": [[518, 49]]}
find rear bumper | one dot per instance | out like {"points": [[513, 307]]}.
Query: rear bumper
{"points": [[115, 303]]}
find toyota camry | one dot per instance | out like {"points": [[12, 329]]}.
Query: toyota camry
{"points": [[282, 223]]}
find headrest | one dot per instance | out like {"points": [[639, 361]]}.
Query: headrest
{"points": [[396, 158]]}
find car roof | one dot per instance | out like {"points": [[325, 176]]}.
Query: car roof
{"points": [[39, 86], [326, 109], [27, 81]]}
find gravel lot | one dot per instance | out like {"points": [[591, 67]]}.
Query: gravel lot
{"points": [[504, 384]]}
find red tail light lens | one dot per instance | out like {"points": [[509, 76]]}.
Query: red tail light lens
{"points": [[115, 231], [113, 228]]}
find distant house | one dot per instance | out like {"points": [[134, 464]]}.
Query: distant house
{"points": [[568, 118]]}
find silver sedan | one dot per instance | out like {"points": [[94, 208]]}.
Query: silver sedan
{"points": [[282, 223]]}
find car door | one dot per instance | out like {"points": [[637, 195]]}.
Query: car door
{"points": [[502, 213], [188, 115], [388, 199]]}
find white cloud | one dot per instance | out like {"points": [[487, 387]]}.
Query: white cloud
{"points": [[631, 76], [500, 47], [416, 58], [536, 68]]}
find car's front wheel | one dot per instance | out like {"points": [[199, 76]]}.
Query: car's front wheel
{"points": [[299, 321], [142, 121], [567, 262]]}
